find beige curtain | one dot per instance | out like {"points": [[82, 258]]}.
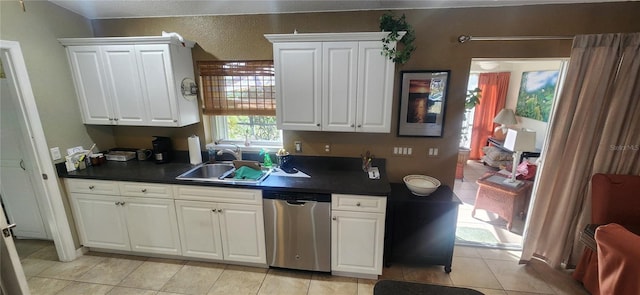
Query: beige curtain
{"points": [[595, 128]]}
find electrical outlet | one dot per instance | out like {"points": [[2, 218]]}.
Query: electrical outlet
{"points": [[298, 146], [55, 153], [327, 148], [432, 152]]}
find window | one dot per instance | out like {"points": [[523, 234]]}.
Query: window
{"points": [[240, 98]]}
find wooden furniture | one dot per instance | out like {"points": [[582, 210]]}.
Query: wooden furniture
{"points": [[357, 235], [421, 230], [132, 81], [506, 201], [332, 82]]}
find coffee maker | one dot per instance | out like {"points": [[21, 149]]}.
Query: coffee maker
{"points": [[162, 149]]}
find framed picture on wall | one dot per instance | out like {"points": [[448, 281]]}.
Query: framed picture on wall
{"points": [[423, 95], [535, 98]]}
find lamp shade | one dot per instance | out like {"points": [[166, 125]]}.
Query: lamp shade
{"points": [[505, 117], [520, 140]]}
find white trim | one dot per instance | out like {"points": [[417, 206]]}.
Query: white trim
{"points": [[323, 37], [124, 40], [53, 207]]}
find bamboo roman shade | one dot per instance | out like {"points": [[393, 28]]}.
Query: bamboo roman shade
{"points": [[232, 88]]}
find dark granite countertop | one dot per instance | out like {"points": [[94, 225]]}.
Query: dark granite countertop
{"points": [[328, 175]]}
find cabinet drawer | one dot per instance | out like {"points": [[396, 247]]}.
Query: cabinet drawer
{"points": [[218, 194], [358, 203], [90, 186], [142, 189]]}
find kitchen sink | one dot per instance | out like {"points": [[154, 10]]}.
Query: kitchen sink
{"points": [[221, 173]]}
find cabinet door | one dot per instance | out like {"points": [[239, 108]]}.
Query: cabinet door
{"points": [[100, 221], [87, 69], [121, 72], [357, 242], [339, 77], [375, 88], [298, 77], [158, 90], [242, 229], [152, 225], [199, 229]]}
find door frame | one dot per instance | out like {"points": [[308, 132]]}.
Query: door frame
{"points": [[55, 215]]}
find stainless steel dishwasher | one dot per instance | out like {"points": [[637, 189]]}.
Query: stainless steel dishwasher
{"points": [[298, 230]]}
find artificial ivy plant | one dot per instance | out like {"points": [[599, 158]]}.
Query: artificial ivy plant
{"points": [[394, 25]]}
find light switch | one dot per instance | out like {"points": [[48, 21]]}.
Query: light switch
{"points": [[55, 153]]}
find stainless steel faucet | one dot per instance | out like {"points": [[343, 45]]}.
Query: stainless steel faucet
{"points": [[237, 153]]}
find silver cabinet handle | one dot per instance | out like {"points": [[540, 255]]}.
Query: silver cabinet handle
{"points": [[359, 125], [175, 121], [335, 218], [122, 204], [22, 164], [116, 119], [213, 210], [318, 124], [358, 204], [144, 190], [117, 203], [353, 125], [219, 210], [91, 187]]}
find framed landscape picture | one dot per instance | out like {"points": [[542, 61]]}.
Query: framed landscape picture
{"points": [[535, 98], [423, 95]]}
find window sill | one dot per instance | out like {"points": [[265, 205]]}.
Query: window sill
{"points": [[251, 148]]}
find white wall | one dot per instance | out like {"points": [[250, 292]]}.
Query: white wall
{"points": [[38, 29], [517, 68]]}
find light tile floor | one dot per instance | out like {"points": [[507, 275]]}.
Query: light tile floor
{"points": [[486, 229], [490, 271]]}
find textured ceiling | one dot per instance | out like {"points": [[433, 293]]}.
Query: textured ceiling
{"points": [[106, 9]]}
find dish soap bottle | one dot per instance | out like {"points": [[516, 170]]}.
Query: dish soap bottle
{"points": [[267, 159]]}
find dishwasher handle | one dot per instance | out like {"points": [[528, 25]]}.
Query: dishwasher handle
{"points": [[298, 202]]}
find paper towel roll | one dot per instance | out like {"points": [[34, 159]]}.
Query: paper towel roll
{"points": [[195, 157]]}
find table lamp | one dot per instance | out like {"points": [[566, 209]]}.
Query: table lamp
{"points": [[505, 117], [518, 141]]}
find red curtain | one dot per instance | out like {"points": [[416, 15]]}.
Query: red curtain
{"points": [[493, 93]]}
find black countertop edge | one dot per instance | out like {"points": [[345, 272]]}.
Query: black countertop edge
{"points": [[328, 175], [444, 194]]}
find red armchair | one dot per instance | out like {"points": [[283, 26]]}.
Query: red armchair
{"points": [[614, 199], [618, 260]]}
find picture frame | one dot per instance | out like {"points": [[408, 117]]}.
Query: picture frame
{"points": [[423, 97], [536, 93]]}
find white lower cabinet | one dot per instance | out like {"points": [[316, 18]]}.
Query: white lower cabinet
{"points": [[221, 223], [152, 225], [125, 223], [100, 221], [108, 218], [357, 235]]}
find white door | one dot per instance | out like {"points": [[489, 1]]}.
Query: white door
{"points": [[242, 230], [199, 229], [357, 242], [12, 279], [100, 221], [375, 88], [152, 225], [87, 70], [156, 74], [298, 74], [339, 78], [123, 82], [17, 191]]}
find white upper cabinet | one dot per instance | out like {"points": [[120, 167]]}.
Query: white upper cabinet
{"points": [[348, 87], [298, 81], [134, 81]]}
